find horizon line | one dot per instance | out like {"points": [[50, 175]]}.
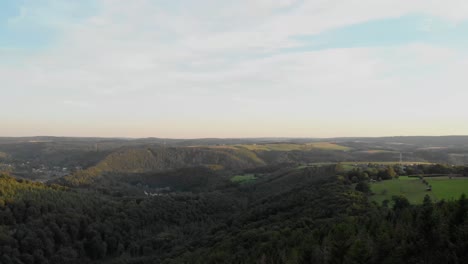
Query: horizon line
{"points": [[225, 138]]}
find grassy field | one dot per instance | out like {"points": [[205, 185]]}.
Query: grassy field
{"points": [[414, 190], [243, 178], [445, 188]]}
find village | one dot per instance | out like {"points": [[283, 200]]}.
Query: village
{"points": [[36, 172]]}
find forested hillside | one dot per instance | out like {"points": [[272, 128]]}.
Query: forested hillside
{"points": [[287, 216], [158, 159]]}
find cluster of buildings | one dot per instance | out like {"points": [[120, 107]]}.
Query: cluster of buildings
{"points": [[37, 172]]}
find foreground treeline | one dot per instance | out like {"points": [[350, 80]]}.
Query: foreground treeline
{"points": [[430, 233], [40, 224], [298, 216]]}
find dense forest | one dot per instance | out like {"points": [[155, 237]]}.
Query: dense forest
{"points": [[289, 215]]}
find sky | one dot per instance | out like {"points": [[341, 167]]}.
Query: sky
{"points": [[245, 68]]}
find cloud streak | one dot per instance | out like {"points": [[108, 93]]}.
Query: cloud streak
{"points": [[152, 61]]}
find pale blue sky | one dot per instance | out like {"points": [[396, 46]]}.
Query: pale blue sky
{"points": [[246, 68]]}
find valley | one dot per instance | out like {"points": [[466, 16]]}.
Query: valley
{"points": [[232, 201]]}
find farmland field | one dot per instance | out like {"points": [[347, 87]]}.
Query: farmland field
{"points": [[414, 190], [445, 188], [291, 147], [327, 146], [243, 178]]}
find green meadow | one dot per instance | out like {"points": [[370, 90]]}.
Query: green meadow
{"points": [[445, 188], [243, 178], [414, 190]]}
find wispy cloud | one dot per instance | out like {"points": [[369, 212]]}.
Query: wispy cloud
{"points": [[225, 59]]}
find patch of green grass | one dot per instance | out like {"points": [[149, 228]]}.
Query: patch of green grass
{"points": [[243, 178], [406, 178], [412, 188], [445, 188], [348, 167]]}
